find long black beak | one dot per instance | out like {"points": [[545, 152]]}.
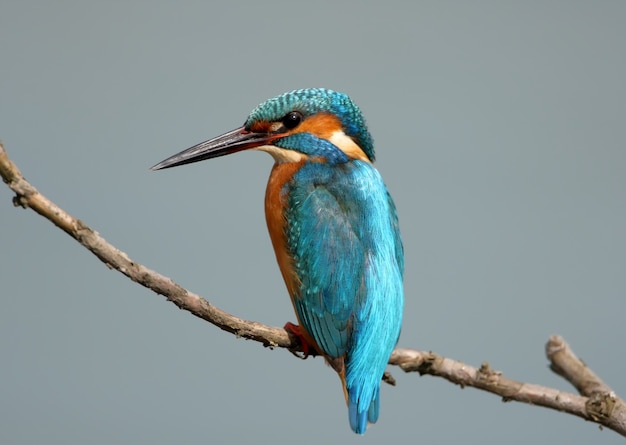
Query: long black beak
{"points": [[236, 140]]}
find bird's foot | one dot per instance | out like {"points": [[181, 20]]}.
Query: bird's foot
{"points": [[307, 348]]}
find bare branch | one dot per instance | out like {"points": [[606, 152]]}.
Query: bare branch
{"points": [[492, 381], [597, 402], [27, 196]]}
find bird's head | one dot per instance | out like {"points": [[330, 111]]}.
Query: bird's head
{"points": [[311, 123]]}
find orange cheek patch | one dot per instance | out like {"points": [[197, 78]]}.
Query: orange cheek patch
{"points": [[322, 125]]}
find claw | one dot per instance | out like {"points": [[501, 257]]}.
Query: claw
{"points": [[307, 348]]}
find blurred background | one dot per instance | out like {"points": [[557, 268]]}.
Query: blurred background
{"points": [[499, 129]]}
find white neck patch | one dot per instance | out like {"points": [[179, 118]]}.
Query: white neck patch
{"points": [[282, 155], [348, 146]]}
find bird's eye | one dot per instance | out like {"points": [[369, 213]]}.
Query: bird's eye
{"points": [[292, 119]]}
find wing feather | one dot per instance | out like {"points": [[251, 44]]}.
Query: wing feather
{"points": [[338, 217]]}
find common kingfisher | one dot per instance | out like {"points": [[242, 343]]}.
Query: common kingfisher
{"points": [[334, 230]]}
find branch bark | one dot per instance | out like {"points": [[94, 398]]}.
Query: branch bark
{"points": [[596, 401]]}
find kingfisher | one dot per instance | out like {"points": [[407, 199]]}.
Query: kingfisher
{"points": [[334, 230]]}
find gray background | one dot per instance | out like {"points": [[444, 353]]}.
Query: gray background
{"points": [[499, 129]]}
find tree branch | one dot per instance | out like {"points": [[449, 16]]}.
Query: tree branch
{"points": [[596, 402]]}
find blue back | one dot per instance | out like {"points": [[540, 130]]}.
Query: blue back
{"points": [[342, 233]]}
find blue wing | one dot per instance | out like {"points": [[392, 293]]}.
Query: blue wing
{"points": [[342, 233]]}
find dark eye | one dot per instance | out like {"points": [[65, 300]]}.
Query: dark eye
{"points": [[292, 119]]}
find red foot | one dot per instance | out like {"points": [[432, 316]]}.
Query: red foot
{"points": [[307, 348]]}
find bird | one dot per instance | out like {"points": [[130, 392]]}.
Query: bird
{"points": [[334, 229]]}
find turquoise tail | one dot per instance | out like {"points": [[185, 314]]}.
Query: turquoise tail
{"points": [[359, 418]]}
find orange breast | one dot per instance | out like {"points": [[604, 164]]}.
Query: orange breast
{"points": [[275, 204]]}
